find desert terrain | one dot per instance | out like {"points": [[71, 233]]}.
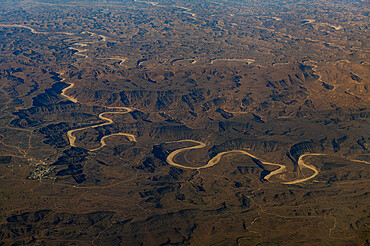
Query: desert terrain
{"points": [[184, 122]]}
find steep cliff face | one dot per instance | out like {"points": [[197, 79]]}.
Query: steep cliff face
{"points": [[50, 96], [246, 143], [163, 100], [72, 164], [175, 132], [203, 97], [63, 111], [202, 89], [157, 100], [55, 134], [193, 98], [305, 147], [161, 152]]}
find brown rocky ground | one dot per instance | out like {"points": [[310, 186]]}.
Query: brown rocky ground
{"points": [[276, 79]]}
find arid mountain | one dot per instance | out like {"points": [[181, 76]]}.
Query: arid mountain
{"points": [[184, 122]]}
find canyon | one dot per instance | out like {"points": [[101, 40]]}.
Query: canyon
{"points": [[184, 123]]}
